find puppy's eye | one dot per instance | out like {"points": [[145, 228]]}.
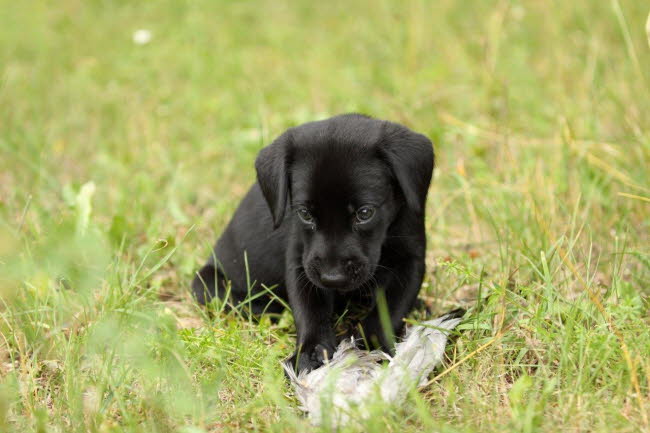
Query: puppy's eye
{"points": [[365, 214], [305, 215]]}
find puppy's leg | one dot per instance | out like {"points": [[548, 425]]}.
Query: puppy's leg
{"points": [[312, 311], [400, 294]]}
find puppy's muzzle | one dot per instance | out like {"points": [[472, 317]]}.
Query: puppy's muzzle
{"points": [[345, 275]]}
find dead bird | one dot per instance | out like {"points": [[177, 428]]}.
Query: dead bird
{"points": [[354, 378]]}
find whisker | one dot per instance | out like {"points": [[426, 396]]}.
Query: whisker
{"points": [[393, 272]]}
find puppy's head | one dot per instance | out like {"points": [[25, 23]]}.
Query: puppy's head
{"points": [[344, 180]]}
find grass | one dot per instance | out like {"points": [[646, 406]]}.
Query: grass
{"points": [[121, 163]]}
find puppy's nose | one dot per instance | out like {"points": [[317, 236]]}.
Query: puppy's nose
{"points": [[333, 278]]}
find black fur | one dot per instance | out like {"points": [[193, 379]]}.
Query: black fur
{"points": [[346, 197]]}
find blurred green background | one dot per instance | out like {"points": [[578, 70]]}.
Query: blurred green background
{"points": [[128, 132]]}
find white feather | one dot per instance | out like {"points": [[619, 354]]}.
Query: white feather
{"points": [[354, 378]]}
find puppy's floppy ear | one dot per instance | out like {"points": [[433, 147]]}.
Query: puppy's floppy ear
{"points": [[411, 159], [272, 166]]}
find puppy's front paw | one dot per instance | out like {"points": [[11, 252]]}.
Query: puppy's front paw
{"points": [[311, 359]]}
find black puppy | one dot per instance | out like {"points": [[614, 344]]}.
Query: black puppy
{"points": [[346, 197]]}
